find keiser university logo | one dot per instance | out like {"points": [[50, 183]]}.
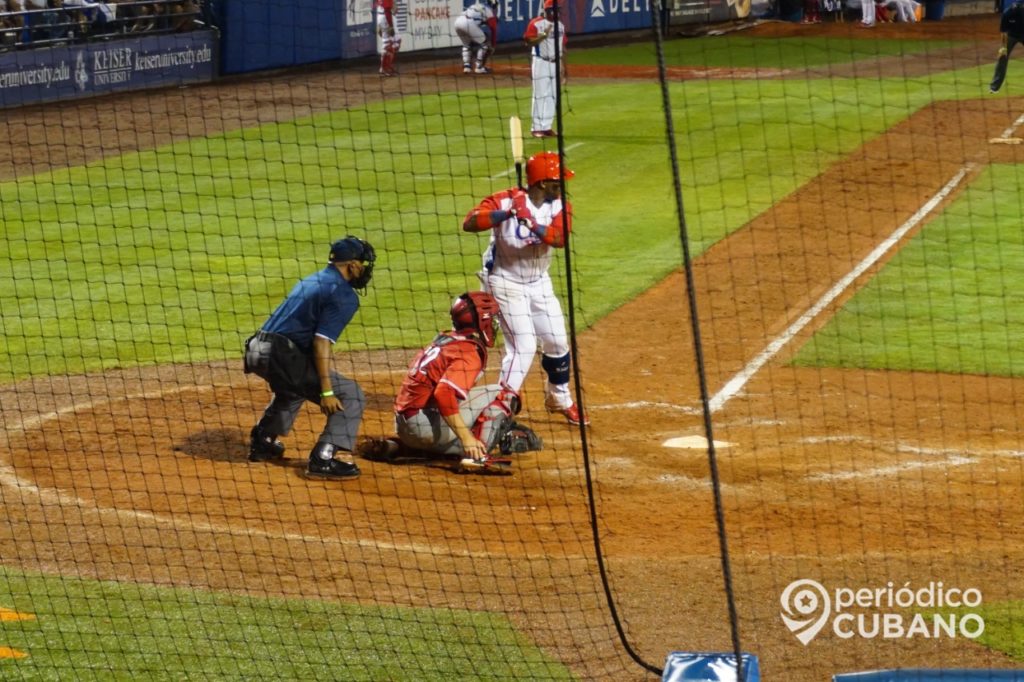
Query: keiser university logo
{"points": [[807, 606]]}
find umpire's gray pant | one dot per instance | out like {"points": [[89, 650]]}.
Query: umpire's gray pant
{"points": [[294, 380], [427, 429]]}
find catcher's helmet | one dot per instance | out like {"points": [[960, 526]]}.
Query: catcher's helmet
{"points": [[545, 166], [477, 311], [353, 248]]}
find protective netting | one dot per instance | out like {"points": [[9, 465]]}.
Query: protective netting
{"points": [[852, 206]]}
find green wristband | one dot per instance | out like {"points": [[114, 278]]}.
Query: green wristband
{"points": [[327, 394]]}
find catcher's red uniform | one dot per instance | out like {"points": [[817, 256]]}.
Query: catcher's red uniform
{"points": [[442, 374]]}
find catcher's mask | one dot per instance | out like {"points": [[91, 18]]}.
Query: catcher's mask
{"points": [[477, 311], [353, 248], [545, 166]]}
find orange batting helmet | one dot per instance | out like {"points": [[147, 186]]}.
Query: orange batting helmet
{"points": [[545, 166]]}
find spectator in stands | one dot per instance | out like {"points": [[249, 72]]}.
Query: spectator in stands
{"points": [[50, 25], [182, 15], [11, 24], [91, 17]]}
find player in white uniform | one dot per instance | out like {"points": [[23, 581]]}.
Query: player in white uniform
{"points": [[540, 36], [476, 45], [525, 226], [390, 41]]}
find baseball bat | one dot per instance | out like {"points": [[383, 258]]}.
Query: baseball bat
{"points": [[515, 129]]}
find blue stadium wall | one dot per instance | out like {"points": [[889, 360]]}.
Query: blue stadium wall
{"points": [[266, 34]]}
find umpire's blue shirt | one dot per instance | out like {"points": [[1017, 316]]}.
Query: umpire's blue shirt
{"points": [[320, 305]]}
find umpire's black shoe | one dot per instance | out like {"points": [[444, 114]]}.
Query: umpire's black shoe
{"points": [[323, 465], [264, 447]]}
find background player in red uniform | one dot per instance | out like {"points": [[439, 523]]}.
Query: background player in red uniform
{"points": [[390, 41], [439, 409]]}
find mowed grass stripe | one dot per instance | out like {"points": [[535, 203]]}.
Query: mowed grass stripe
{"points": [[952, 300], [122, 631]]}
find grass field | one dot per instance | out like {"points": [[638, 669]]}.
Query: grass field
{"points": [[173, 634], [950, 301], [177, 254], [200, 239]]}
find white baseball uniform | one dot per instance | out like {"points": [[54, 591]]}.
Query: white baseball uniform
{"points": [[470, 27], [543, 70], [515, 272]]}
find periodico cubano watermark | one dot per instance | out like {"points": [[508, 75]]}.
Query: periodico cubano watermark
{"points": [[889, 611]]}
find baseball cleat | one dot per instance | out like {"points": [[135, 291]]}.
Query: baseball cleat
{"points": [[331, 469], [487, 465], [572, 414], [264, 447], [482, 69], [466, 68], [539, 133]]}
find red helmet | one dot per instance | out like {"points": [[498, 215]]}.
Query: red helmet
{"points": [[545, 166], [476, 311]]}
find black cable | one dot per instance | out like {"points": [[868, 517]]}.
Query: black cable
{"points": [[574, 353], [691, 296]]}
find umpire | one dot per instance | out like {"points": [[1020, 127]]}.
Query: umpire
{"points": [[1011, 25], [292, 353]]}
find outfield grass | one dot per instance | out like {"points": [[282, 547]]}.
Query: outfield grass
{"points": [[125, 631], [178, 253], [952, 300], [743, 51]]}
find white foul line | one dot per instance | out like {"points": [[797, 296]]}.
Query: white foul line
{"points": [[1008, 133], [736, 384], [512, 170]]}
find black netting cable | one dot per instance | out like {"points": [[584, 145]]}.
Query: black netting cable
{"points": [[574, 353], [691, 295]]}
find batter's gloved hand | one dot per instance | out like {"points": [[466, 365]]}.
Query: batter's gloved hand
{"points": [[521, 209]]}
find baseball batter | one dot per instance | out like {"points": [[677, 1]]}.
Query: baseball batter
{"points": [[292, 353], [1011, 25], [477, 45], [546, 55], [526, 225], [390, 41], [439, 409]]}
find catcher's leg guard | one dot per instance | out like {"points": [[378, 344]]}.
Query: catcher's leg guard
{"points": [[518, 439]]}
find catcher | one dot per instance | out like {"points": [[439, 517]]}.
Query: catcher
{"points": [[439, 411], [292, 353], [1011, 25]]}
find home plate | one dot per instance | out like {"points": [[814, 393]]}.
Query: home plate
{"points": [[693, 443]]}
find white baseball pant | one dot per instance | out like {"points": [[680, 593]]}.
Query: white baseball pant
{"points": [[545, 86], [530, 313]]}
